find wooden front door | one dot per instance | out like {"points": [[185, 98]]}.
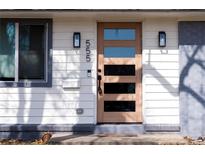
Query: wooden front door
{"points": [[119, 73]]}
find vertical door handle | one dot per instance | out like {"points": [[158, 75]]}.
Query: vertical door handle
{"points": [[99, 84]]}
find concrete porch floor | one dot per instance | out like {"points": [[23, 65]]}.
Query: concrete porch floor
{"points": [[112, 139]]}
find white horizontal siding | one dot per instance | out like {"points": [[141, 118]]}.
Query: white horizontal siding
{"points": [[73, 66], [160, 88], [162, 119], [53, 90], [51, 112], [67, 52], [83, 82], [47, 105], [72, 74], [71, 58], [162, 111], [160, 66], [57, 105], [153, 34], [69, 35], [161, 104], [160, 73], [159, 81], [47, 120], [154, 25], [47, 97], [64, 44], [160, 96], [69, 27], [151, 42], [161, 58], [160, 50]]}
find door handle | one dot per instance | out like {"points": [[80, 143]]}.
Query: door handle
{"points": [[99, 84], [99, 77]]}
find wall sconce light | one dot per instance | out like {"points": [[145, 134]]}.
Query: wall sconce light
{"points": [[162, 39], [76, 40]]}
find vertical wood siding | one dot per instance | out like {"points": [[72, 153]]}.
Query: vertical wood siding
{"points": [[160, 73], [57, 105]]}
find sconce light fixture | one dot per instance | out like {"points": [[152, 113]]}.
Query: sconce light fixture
{"points": [[162, 39], [76, 40]]}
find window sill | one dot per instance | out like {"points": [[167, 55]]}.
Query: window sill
{"points": [[25, 84]]}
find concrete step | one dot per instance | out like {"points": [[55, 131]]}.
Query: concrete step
{"points": [[126, 129]]}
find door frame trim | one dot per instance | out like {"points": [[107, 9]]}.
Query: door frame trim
{"points": [[138, 44]]}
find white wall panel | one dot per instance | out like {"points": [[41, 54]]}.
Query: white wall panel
{"points": [[56, 105], [160, 73]]}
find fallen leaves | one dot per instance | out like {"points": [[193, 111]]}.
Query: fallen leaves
{"points": [[200, 140], [42, 141]]}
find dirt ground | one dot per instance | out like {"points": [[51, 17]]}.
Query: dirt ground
{"points": [[108, 139]]}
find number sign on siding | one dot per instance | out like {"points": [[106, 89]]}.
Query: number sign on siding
{"points": [[88, 57]]}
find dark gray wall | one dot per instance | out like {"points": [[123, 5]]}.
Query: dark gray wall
{"points": [[192, 78]]}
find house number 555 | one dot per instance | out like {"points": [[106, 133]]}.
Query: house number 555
{"points": [[88, 58]]}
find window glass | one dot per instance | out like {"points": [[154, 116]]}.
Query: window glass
{"points": [[127, 70], [119, 106], [25, 46], [32, 52], [119, 88], [7, 51], [119, 34], [119, 52]]}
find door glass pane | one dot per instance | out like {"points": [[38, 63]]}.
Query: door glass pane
{"points": [[119, 70], [119, 88], [119, 106], [7, 51], [119, 34], [32, 52], [119, 52]]}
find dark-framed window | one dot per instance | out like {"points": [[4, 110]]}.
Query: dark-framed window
{"points": [[25, 52]]}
